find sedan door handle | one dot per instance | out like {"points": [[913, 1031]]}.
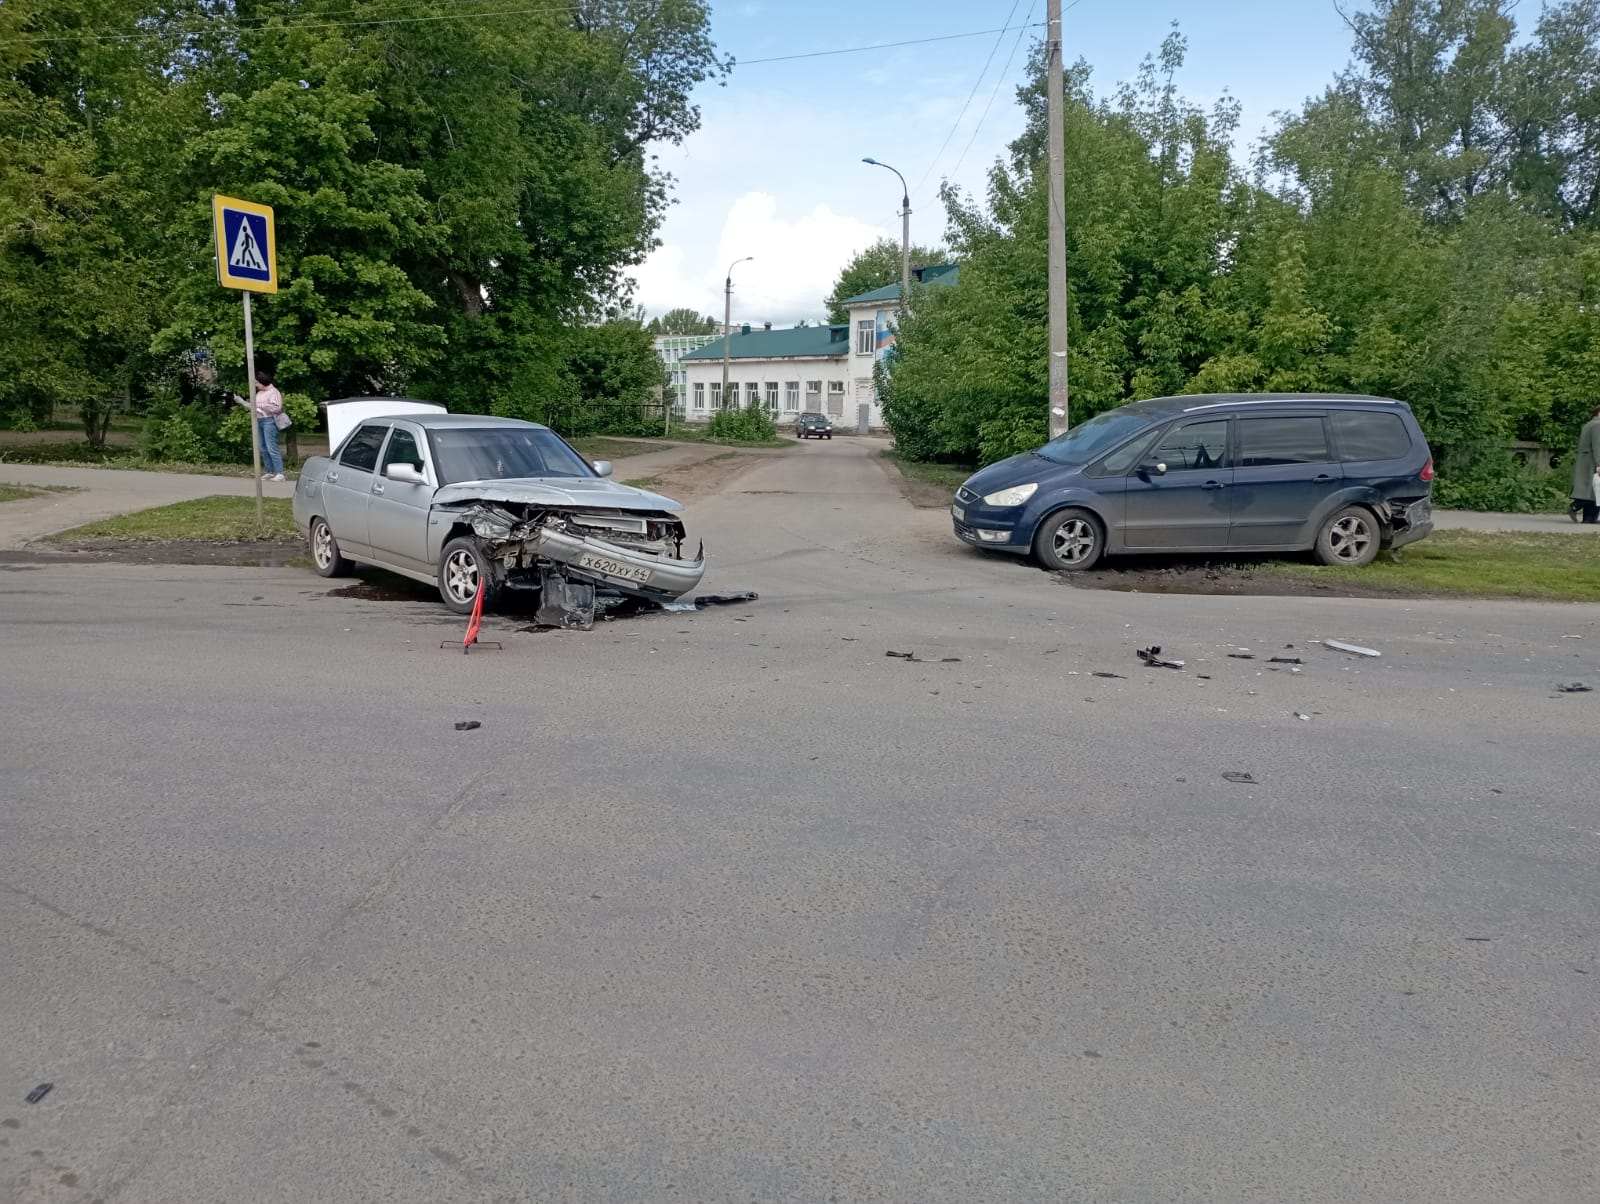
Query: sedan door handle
{"points": [[1322, 476], [377, 489], [1214, 485]]}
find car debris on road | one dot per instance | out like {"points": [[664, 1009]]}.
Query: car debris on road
{"points": [[1152, 657], [1356, 649]]}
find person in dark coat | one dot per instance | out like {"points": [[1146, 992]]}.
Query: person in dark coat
{"points": [[1583, 467]]}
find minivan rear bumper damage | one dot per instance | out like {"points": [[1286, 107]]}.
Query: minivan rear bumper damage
{"points": [[1409, 521]]}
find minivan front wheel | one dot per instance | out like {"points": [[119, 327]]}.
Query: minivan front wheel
{"points": [[1070, 541], [1350, 538]]}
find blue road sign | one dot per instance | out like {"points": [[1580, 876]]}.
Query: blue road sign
{"points": [[246, 255]]}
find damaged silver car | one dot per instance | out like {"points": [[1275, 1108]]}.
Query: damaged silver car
{"points": [[477, 504]]}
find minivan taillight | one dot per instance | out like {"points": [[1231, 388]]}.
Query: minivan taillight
{"points": [[1427, 470]]}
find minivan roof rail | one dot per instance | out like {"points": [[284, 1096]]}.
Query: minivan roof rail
{"points": [[1309, 399]]}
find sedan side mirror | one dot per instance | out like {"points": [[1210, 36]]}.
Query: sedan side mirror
{"points": [[409, 473], [1158, 468], [602, 468]]}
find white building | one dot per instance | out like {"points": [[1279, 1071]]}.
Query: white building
{"points": [[815, 369], [671, 348]]}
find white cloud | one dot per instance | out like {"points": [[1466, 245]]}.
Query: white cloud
{"points": [[796, 261]]}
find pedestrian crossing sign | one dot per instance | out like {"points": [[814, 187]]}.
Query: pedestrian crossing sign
{"points": [[247, 257]]}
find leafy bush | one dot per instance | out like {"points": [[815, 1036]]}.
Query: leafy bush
{"points": [[19, 419], [177, 441], [180, 434], [1496, 480], [753, 424]]}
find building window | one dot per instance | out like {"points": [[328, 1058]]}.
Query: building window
{"points": [[791, 395], [752, 393], [716, 395], [836, 398], [813, 397], [772, 395], [866, 336], [700, 397]]}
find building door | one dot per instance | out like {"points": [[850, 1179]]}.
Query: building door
{"points": [[863, 418]]}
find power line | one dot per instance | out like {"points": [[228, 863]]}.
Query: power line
{"points": [[993, 92], [966, 104], [817, 54]]}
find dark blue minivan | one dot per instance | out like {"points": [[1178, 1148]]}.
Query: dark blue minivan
{"points": [[1251, 472]]}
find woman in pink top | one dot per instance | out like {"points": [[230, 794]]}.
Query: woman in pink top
{"points": [[268, 405]]}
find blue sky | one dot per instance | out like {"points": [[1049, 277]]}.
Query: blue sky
{"points": [[775, 170]]}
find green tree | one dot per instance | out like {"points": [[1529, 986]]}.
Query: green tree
{"points": [[84, 265], [873, 267], [683, 320]]}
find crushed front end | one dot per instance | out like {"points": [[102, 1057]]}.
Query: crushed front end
{"points": [[569, 554]]}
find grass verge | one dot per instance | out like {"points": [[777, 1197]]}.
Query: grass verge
{"points": [[600, 447], [928, 486], [81, 455], [204, 520], [16, 493], [1477, 564], [689, 433]]}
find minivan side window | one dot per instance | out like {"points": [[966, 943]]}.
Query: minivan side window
{"points": [[1197, 445], [1370, 435], [1125, 459], [1266, 442], [362, 450]]}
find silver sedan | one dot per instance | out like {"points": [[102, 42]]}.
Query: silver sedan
{"points": [[477, 504]]}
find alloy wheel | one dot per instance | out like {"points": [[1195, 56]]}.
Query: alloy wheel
{"points": [[461, 575], [322, 545], [1349, 538], [1074, 540]]}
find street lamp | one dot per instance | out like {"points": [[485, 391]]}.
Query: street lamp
{"points": [[905, 234], [727, 323]]}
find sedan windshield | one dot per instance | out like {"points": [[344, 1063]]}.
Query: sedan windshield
{"points": [[1094, 438], [503, 453]]}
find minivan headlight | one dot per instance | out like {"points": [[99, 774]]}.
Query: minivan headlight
{"points": [[1014, 496]]}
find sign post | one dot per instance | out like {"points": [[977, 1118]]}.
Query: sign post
{"points": [[247, 259]]}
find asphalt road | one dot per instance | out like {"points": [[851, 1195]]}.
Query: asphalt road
{"points": [[732, 906]]}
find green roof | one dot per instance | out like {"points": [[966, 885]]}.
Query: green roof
{"points": [[778, 344], [935, 273]]}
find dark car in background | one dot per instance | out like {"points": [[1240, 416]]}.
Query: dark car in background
{"points": [[813, 426], [1339, 475]]}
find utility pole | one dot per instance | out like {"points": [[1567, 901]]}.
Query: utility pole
{"points": [[905, 235], [727, 324], [1055, 125]]}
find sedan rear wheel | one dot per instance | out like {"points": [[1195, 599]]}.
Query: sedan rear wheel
{"points": [[1350, 538], [1070, 541], [463, 571], [325, 556]]}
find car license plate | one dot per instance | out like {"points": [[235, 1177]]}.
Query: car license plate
{"points": [[612, 568], [960, 514]]}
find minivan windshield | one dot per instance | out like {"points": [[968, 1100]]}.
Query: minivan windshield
{"points": [[1095, 437], [503, 453]]}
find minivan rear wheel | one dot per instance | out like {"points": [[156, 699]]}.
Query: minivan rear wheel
{"points": [[1070, 541], [1350, 538]]}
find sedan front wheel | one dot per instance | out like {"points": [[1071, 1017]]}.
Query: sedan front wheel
{"points": [[463, 571]]}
